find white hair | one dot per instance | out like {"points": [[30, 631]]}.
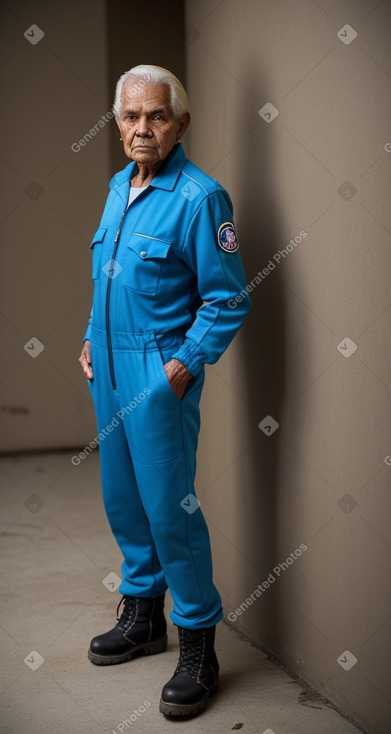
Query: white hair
{"points": [[147, 73]]}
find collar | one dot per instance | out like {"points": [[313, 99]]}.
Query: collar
{"points": [[165, 178]]}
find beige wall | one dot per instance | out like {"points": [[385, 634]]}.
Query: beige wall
{"points": [[320, 479], [53, 92], [263, 496]]}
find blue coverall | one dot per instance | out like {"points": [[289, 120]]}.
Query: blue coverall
{"points": [[163, 272]]}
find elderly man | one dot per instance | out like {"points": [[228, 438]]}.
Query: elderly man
{"points": [[165, 265]]}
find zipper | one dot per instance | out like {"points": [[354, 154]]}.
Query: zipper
{"points": [[108, 292]]}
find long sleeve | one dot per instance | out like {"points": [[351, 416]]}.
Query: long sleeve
{"points": [[221, 278]]}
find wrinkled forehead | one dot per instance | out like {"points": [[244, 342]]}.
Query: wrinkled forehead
{"points": [[146, 97]]}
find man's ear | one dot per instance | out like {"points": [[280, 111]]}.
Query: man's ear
{"points": [[184, 121]]}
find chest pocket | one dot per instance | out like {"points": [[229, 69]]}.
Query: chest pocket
{"points": [[96, 247], [145, 258]]}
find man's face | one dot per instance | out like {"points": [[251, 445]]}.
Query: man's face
{"points": [[230, 235], [147, 125]]}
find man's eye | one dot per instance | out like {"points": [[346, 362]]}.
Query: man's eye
{"points": [[129, 117], [158, 117]]}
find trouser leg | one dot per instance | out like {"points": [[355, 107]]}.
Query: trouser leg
{"points": [[142, 574], [162, 434]]}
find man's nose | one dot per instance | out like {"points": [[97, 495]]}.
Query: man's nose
{"points": [[143, 127]]}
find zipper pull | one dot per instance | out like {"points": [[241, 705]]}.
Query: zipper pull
{"points": [[120, 226]]}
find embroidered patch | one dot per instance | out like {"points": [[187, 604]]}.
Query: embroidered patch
{"points": [[226, 237]]}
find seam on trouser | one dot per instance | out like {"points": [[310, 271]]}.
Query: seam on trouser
{"points": [[188, 516], [157, 463], [167, 525]]}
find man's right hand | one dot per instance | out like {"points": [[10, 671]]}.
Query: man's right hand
{"points": [[85, 360]]}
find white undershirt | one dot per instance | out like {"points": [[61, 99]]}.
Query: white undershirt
{"points": [[134, 192]]}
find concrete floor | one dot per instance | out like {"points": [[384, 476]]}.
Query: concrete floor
{"points": [[56, 550]]}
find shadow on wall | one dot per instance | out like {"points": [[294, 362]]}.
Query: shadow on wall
{"points": [[264, 363]]}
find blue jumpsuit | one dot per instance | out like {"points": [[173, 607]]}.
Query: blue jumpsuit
{"points": [[164, 269]]}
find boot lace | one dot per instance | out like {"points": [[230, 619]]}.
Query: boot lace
{"points": [[192, 649], [129, 612]]}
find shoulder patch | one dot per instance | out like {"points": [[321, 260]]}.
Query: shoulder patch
{"points": [[226, 237]]}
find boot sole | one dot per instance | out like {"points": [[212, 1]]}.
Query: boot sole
{"points": [[187, 709], [147, 648]]}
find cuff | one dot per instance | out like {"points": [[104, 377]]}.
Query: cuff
{"points": [[87, 335], [187, 355]]}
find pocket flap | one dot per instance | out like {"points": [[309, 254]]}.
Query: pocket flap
{"points": [[147, 247], [98, 236]]}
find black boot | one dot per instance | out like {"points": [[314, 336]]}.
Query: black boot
{"points": [[141, 630], [195, 677]]}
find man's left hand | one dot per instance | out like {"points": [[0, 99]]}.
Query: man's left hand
{"points": [[178, 376]]}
